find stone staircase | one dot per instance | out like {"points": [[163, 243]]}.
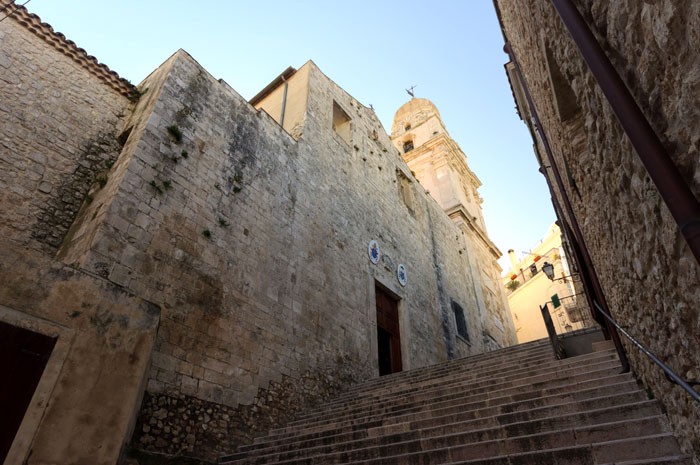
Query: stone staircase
{"points": [[509, 407]]}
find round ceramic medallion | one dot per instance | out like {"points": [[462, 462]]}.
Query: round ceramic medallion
{"points": [[401, 274], [373, 251]]}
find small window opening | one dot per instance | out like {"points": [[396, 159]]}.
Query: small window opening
{"points": [[461, 321], [407, 127], [407, 146], [533, 269], [406, 192], [342, 123], [564, 97]]}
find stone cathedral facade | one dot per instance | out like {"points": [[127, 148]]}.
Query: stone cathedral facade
{"points": [[182, 268]]}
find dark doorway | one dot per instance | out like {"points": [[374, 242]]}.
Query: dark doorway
{"points": [[388, 334], [23, 357]]}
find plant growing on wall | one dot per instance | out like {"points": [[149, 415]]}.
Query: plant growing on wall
{"points": [[175, 133], [101, 179], [136, 94], [235, 181], [513, 285], [160, 188], [155, 185]]}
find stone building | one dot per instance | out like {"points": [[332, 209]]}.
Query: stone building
{"points": [[184, 268], [528, 288], [440, 165], [617, 133]]}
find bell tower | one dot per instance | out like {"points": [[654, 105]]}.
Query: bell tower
{"points": [[441, 168], [437, 161]]}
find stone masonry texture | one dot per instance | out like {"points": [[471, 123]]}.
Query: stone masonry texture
{"points": [[213, 273], [649, 276], [57, 138]]}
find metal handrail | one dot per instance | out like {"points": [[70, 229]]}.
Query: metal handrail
{"points": [[670, 374]]}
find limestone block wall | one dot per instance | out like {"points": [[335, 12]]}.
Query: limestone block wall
{"points": [[255, 245], [252, 242], [498, 329], [60, 115], [58, 135], [90, 217], [365, 182], [83, 410], [649, 276]]}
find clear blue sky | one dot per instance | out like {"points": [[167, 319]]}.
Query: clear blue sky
{"points": [[450, 49]]}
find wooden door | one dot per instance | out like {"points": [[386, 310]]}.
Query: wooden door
{"points": [[388, 333], [23, 356]]}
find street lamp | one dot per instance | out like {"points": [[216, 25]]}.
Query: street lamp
{"points": [[548, 270]]}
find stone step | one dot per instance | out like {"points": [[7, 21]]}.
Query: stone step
{"points": [[538, 381], [470, 445], [466, 400], [494, 398], [670, 460], [539, 354], [542, 351], [462, 422], [407, 392], [657, 447], [478, 407], [416, 440], [515, 406], [279, 435], [419, 380], [602, 345]]}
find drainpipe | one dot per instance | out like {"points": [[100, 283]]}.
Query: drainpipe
{"points": [[597, 289], [284, 101], [668, 180]]}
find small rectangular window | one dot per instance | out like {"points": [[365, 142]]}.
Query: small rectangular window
{"points": [[460, 321], [405, 191], [407, 146], [341, 123], [533, 270]]}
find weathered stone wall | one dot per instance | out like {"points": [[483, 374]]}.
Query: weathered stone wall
{"points": [[91, 216], [58, 137], [648, 274], [60, 114], [255, 245], [180, 424], [84, 408]]}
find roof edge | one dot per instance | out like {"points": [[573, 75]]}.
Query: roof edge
{"points": [[286, 74], [69, 48]]}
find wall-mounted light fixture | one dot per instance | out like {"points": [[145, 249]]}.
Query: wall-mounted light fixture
{"points": [[548, 270]]}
